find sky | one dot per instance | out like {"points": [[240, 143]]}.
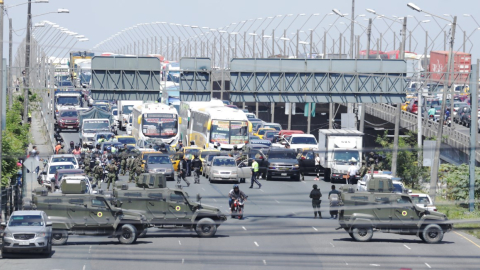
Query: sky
{"points": [[99, 19]]}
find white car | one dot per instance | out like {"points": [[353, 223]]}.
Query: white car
{"points": [[423, 201], [115, 117], [48, 175], [301, 141], [75, 180], [129, 125], [64, 158]]}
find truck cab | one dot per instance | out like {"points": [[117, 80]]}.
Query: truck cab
{"points": [[90, 127]]}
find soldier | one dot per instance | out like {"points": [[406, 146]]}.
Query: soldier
{"points": [[129, 164], [182, 171], [112, 169], [97, 172], [139, 170], [196, 165], [86, 162], [315, 195], [124, 157], [137, 162]]}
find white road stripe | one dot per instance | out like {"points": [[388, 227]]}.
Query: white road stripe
{"points": [[183, 260], [374, 264], [244, 228], [180, 243], [315, 228], [89, 249], [332, 245], [406, 246], [256, 244], [428, 265], [262, 190], [84, 267], [264, 262], [277, 201], [214, 200], [203, 189]]}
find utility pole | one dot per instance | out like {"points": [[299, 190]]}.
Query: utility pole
{"points": [[473, 135], [436, 158], [10, 88], [399, 106], [369, 34], [27, 63], [1, 102], [352, 29]]}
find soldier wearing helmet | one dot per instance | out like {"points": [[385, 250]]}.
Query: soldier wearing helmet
{"points": [[315, 195]]}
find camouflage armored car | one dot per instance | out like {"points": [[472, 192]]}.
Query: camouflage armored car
{"points": [[76, 212], [360, 213], [168, 208]]}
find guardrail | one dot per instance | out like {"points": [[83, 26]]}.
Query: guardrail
{"points": [[408, 121]]}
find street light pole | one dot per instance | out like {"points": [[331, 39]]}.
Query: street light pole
{"points": [[10, 45], [27, 63], [352, 25], [1, 102]]}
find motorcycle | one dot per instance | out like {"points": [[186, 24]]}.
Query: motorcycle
{"points": [[237, 208]]}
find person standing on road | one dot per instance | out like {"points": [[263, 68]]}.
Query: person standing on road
{"points": [[182, 171], [139, 170], [196, 165], [317, 166], [352, 173], [112, 169], [97, 172], [255, 172], [86, 163], [315, 195], [334, 197], [124, 157]]}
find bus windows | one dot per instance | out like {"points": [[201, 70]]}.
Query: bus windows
{"points": [[238, 132], [159, 125], [229, 132], [220, 131]]}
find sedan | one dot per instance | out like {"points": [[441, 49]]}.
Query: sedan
{"points": [[27, 231], [225, 169], [159, 163]]}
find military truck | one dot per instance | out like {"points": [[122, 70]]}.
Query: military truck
{"points": [[76, 212], [168, 208], [360, 213]]}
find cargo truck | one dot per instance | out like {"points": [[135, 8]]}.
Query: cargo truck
{"points": [[338, 148], [461, 66]]}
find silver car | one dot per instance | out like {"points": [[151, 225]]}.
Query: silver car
{"points": [[225, 169], [27, 231], [159, 163]]}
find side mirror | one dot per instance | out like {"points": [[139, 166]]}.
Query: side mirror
{"points": [[409, 191], [425, 205], [199, 198], [49, 224], [85, 205]]}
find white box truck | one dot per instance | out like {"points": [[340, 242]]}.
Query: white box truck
{"points": [[125, 107], [339, 147]]}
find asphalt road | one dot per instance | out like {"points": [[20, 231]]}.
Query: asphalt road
{"points": [[278, 232]]}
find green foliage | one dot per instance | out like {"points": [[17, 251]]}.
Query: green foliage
{"points": [[14, 141], [458, 181], [407, 159]]}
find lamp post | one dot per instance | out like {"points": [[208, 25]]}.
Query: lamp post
{"points": [[436, 159]]}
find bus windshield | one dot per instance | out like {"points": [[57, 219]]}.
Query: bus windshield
{"points": [[159, 125], [68, 100], [229, 132]]}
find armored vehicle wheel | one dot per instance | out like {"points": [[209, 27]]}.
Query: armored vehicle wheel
{"points": [[349, 233], [362, 234], [59, 238], [206, 227], [421, 236], [128, 234], [432, 234]]}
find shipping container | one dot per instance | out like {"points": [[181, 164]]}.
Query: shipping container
{"points": [[461, 66]]}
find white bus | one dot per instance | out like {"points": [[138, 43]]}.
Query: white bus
{"points": [[155, 121], [219, 127], [185, 111]]}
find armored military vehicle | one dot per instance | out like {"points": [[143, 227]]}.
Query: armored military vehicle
{"points": [[168, 208], [77, 212], [360, 213]]}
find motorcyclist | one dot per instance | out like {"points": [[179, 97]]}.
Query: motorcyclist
{"points": [[235, 194], [76, 151], [72, 147]]}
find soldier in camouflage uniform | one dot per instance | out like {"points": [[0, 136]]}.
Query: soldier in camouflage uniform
{"points": [[124, 157], [86, 162], [139, 170], [97, 172], [112, 169], [133, 169]]}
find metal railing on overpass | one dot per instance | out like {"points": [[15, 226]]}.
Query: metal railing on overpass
{"points": [[408, 121]]}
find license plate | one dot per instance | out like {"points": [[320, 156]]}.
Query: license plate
{"points": [[24, 243], [284, 174], [225, 177], [69, 127]]}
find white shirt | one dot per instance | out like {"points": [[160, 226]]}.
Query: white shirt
{"points": [[317, 161], [352, 170]]}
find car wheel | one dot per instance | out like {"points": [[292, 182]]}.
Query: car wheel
{"points": [[206, 227], [59, 238], [128, 234], [48, 251], [326, 175], [297, 178], [5, 254], [421, 236], [362, 234], [269, 176], [432, 234]]}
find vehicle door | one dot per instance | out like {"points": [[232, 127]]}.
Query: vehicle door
{"points": [[307, 162], [178, 206], [403, 212], [100, 212], [156, 206], [176, 161], [383, 209], [262, 160], [243, 170]]}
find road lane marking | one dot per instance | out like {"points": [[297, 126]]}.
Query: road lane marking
{"points": [[428, 265], [89, 249], [214, 200], [277, 201], [244, 228], [374, 264], [180, 243], [304, 182], [183, 260], [256, 244], [84, 267], [346, 263], [264, 262], [262, 190], [203, 189], [332, 244], [315, 228], [406, 246], [468, 240]]}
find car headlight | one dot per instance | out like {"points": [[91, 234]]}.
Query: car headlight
{"points": [[62, 121], [296, 165], [168, 170], [234, 173], [7, 235], [215, 172], [151, 171], [40, 234]]}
